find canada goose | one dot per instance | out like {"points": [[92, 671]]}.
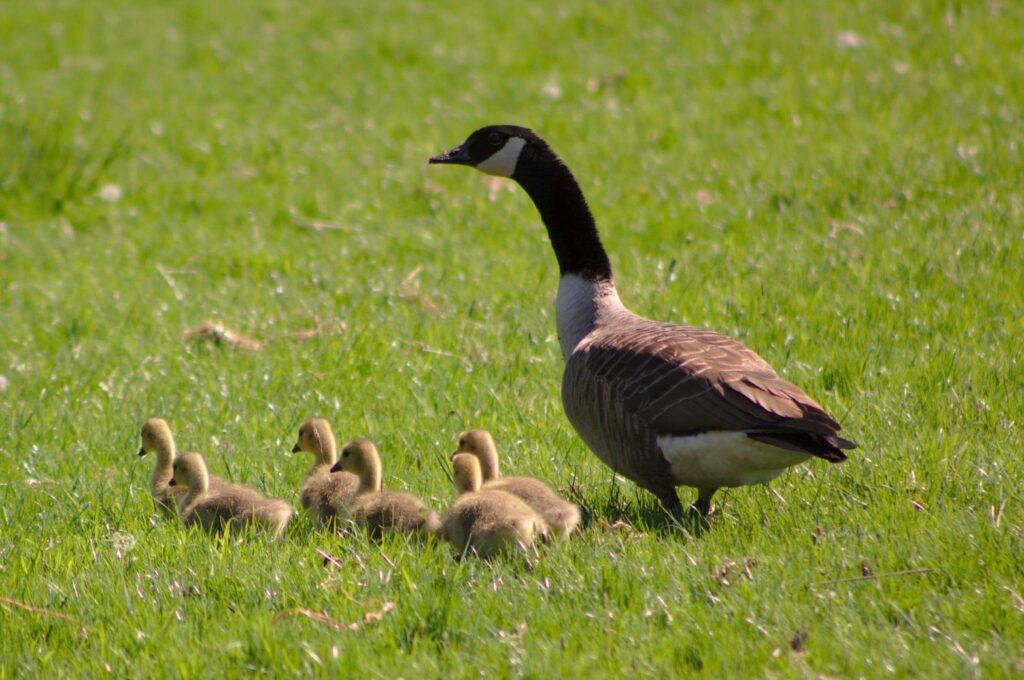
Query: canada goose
{"points": [[377, 509], [231, 504], [487, 520], [156, 437], [662, 404], [324, 494], [560, 515]]}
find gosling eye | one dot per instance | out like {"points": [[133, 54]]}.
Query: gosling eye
{"points": [[344, 454], [494, 139]]}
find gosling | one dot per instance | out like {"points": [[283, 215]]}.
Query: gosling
{"points": [[229, 507], [561, 515], [156, 437], [379, 510], [324, 495], [487, 521]]}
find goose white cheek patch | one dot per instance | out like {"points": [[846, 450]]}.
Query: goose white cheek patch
{"points": [[503, 162]]}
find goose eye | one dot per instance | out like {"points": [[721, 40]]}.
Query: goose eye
{"points": [[494, 139]]}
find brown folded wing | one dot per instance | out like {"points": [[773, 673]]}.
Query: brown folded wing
{"points": [[681, 379]]}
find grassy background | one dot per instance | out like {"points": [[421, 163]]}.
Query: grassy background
{"points": [[837, 184]]}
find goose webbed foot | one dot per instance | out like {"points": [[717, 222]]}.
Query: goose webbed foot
{"points": [[702, 506]]}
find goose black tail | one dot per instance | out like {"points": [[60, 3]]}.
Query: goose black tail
{"points": [[829, 447]]}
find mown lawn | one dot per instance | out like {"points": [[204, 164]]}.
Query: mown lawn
{"points": [[840, 185]]}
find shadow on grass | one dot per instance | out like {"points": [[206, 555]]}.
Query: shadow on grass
{"points": [[638, 509]]}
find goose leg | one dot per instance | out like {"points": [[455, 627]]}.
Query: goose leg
{"points": [[702, 505], [670, 501]]}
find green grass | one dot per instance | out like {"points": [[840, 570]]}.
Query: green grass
{"points": [[837, 184]]}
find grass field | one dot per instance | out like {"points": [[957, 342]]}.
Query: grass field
{"points": [[839, 185]]}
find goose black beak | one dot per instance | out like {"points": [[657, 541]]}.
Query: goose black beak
{"points": [[457, 156], [173, 482], [296, 449], [142, 451], [337, 467]]}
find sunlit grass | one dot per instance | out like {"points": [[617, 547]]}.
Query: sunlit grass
{"points": [[838, 185]]}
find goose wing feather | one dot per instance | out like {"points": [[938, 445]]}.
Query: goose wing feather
{"points": [[683, 379]]}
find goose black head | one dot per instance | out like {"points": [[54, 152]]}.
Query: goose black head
{"points": [[495, 149]]}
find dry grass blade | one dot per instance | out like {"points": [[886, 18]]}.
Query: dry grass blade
{"points": [[168, 278], [214, 332], [410, 290], [329, 559], [427, 349], [36, 610], [870, 577], [319, 617]]}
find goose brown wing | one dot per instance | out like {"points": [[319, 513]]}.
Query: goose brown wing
{"points": [[681, 379]]}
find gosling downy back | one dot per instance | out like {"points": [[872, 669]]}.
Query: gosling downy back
{"points": [[230, 506], [562, 516], [488, 522], [325, 495], [381, 510]]}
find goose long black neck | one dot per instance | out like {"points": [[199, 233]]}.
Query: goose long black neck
{"points": [[563, 208]]}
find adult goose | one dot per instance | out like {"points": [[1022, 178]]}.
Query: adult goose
{"points": [[664, 405]]}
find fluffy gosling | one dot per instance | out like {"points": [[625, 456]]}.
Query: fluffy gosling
{"points": [[230, 506], [380, 510], [156, 438], [488, 521], [324, 495], [561, 515]]}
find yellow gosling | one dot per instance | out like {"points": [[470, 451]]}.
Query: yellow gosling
{"points": [[486, 521], [381, 510], [156, 438], [562, 516], [230, 506], [324, 495]]}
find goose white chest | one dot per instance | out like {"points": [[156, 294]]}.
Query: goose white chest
{"points": [[579, 306]]}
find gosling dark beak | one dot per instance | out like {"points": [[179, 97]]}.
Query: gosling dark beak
{"points": [[142, 451], [457, 156], [172, 482], [337, 467], [296, 449]]}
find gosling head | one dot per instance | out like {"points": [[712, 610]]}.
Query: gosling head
{"points": [[316, 437], [357, 456], [466, 472], [189, 472], [155, 436], [476, 441], [480, 444], [498, 150]]}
